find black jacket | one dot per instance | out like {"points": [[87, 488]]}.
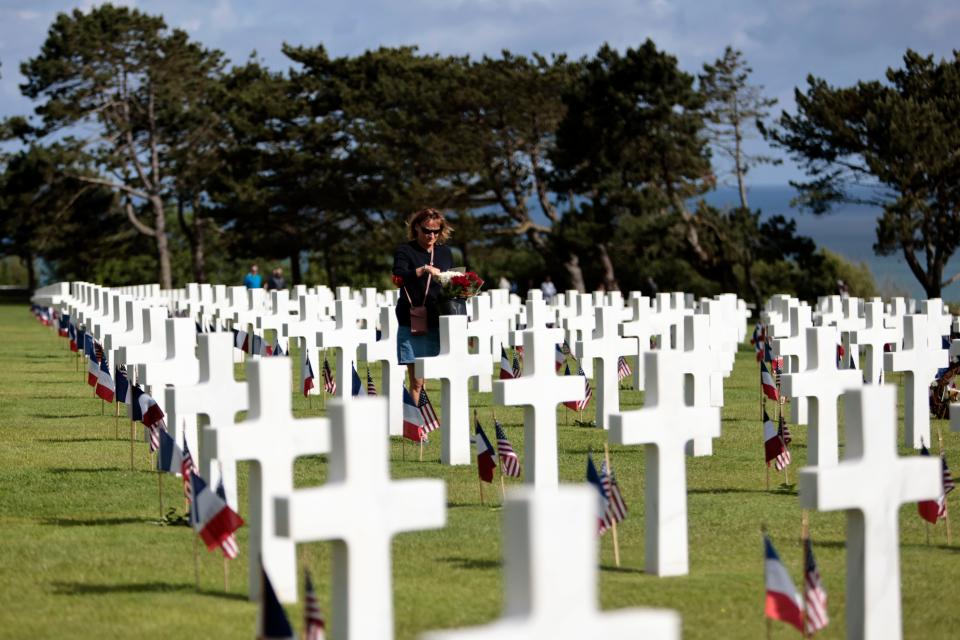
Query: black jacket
{"points": [[409, 257]]}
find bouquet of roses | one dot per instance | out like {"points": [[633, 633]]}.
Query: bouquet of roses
{"points": [[460, 285]]}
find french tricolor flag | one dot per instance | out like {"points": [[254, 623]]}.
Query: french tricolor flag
{"points": [[506, 369], [767, 383], [150, 411], [486, 457], [210, 515], [413, 425], [783, 601], [306, 374], [105, 388]]}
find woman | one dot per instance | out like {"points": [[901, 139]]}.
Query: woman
{"points": [[416, 265]]}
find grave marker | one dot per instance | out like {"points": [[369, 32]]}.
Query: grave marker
{"points": [[871, 484], [362, 509]]}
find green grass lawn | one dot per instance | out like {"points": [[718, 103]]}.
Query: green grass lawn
{"points": [[82, 553]]}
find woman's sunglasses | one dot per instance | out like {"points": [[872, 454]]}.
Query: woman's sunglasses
{"points": [[431, 232]]}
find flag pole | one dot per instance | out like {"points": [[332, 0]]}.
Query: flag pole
{"points": [[616, 543], [196, 561], [160, 490], [946, 510], [763, 532], [131, 445], [226, 575], [503, 487], [479, 480], [116, 421], [804, 535]]}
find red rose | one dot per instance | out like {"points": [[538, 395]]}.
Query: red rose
{"points": [[397, 281]]}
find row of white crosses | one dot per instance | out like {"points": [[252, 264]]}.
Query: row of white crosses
{"points": [[814, 376]]}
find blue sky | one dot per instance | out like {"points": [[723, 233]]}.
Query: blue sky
{"points": [[842, 41]]}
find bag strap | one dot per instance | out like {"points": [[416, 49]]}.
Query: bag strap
{"points": [[425, 291]]}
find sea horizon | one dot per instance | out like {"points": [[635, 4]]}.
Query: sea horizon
{"points": [[849, 230]]}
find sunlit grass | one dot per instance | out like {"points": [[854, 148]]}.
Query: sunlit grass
{"points": [[83, 554]]}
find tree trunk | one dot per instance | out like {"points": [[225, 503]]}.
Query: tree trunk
{"points": [[163, 246], [296, 276], [199, 246], [330, 269], [609, 275], [575, 273], [29, 262]]}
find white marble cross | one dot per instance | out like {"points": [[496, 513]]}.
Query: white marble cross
{"points": [[219, 396], [384, 351], [721, 338], [277, 318], [579, 329], [550, 576], [870, 485], [346, 338], [873, 336], [822, 383], [153, 348], [454, 366], [539, 390], [793, 349], [937, 321], [271, 440], [640, 326], [481, 327], [179, 364], [695, 357], [665, 425], [920, 358], [607, 348], [362, 509], [310, 322], [849, 323]]}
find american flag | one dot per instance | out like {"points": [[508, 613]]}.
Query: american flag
{"points": [[759, 337], [314, 627], [153, 430], [509, 461], [430, 420], [516, 364], [814, 596], [623, 369], [616, 509], [229, 546], [371, 388], [186, 467], [587, 390], [329, 384], [785, 431], [948, 486]]}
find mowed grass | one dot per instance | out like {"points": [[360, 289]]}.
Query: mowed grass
{"points": [[82, 553]]}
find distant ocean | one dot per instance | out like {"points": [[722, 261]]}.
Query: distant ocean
{"points": [[849, 230]]}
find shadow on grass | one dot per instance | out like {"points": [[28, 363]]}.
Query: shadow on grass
{"points": [[473, 563], [69, 440], [941, 546], [95, 522], [786, 490], [85, 589], [66, 470], [54, 416], [615, 569]]}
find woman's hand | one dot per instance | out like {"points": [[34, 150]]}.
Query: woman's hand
{"points": [[428, 269]]}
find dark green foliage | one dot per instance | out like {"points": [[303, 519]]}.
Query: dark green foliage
{"points": [[892, 144]]}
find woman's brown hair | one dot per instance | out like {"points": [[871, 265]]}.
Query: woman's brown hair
{"points": [[418, 218]]}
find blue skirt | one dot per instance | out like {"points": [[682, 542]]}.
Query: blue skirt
{"points": [[411, 347]]}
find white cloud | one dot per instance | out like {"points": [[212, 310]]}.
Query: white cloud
{"points": [[26, 14]]}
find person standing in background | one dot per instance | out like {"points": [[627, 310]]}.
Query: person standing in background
{"points": [[416, 265], [253, 280], [548, 289], [276, 280]]}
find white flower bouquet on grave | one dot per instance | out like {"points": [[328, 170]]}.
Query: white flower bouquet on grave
{"points": [[459, 285]]}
